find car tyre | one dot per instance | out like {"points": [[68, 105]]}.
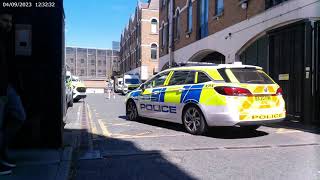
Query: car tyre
{"points": [[194, 120], [131, 111]]}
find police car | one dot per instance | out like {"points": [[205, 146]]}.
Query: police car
{"points": [[203, 95]]}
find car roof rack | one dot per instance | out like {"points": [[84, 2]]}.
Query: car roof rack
{"points": [[195, 64]]}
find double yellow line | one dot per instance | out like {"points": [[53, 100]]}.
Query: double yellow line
{"points": [[93, 127]]}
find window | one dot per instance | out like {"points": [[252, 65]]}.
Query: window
{"points": [[82, 72], [157, 81], [92, 62], [82, 61], [177, 25], [219, 7], [203, 29], [181, 77], [132, 81], [202, 78], [271, 3], [154, 26], [71, 60], [154, 51], [189, 23], [251, 76], [99, 63], [190, 78]]}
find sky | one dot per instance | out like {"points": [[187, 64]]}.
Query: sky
{"points": [[96, 23]]}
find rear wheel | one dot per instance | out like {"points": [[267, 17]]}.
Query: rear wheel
{"points": [[132, 111], [194, 121], [250, 127]]}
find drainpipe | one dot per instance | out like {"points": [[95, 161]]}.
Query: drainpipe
{"points": [[171, 53]]}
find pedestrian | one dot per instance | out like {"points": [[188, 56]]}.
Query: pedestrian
{"points": [[11, 107]]}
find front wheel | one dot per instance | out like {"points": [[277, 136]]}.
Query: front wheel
{"points": [[194, 121], [132, 111]]}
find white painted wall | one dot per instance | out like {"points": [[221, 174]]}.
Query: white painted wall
{"points": [[248, 30]]}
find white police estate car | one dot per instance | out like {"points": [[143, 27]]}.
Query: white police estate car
{"points": [[211, 95]]}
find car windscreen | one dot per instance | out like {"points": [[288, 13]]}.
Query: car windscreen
{"points": [[251, 76], [132, 81]]}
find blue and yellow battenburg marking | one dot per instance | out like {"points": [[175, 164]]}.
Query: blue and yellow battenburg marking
{"points": [[174, 94]]}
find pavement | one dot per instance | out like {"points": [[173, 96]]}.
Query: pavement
{"points": [[41, 164]]}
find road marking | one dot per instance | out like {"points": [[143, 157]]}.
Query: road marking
{"points": [[104, 129], [120, 124], [285, 131], [93, 128], [78, 114]]}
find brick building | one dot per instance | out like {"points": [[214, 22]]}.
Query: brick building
{"points": [[139, 41], [91, 63], [282, 36]]}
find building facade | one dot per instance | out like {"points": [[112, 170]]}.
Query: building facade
{"points": [[90, 63], [139, 41], [282, 36]]}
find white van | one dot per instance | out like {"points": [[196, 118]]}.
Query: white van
{"points": [[130, 82], [118, 82]]}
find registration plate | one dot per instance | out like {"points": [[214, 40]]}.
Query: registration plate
{"points": [[263, 98]]}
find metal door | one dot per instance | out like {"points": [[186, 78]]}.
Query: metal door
{"points": [[286, 55]]}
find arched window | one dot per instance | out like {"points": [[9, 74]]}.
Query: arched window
{"points": [[203, 29], [190, 16], [154, 26], [154, 51]]}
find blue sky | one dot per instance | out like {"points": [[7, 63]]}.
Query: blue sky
{"points": [[96, 23]]}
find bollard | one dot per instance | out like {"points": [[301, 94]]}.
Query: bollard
{"points": [[109, 94]]}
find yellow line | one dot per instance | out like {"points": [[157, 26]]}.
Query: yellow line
{"points": [[104, 129], [93, 128]]}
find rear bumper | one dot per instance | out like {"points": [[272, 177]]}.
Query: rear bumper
{"points": [[244, 123], [220, 116]]}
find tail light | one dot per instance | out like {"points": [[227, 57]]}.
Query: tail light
{"points": [[233, 91], [279, 92]]}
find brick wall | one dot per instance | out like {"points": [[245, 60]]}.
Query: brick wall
{"points": [[233, 14]]}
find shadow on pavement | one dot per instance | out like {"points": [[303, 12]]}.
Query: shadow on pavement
{"points": [[214, 132], [233, 133], [111, 158], [295, 125]]}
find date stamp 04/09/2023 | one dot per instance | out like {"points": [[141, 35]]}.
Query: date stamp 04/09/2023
{"points": [[12, 4]]}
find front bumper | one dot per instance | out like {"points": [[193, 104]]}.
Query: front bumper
{"points": [[79, 95]]}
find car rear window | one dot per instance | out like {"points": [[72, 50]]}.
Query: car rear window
{"points": [[251, 76]]}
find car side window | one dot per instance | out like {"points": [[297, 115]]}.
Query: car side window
{"points": [[182, 77], [190, 78], [202, 78], [157, 81]]}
